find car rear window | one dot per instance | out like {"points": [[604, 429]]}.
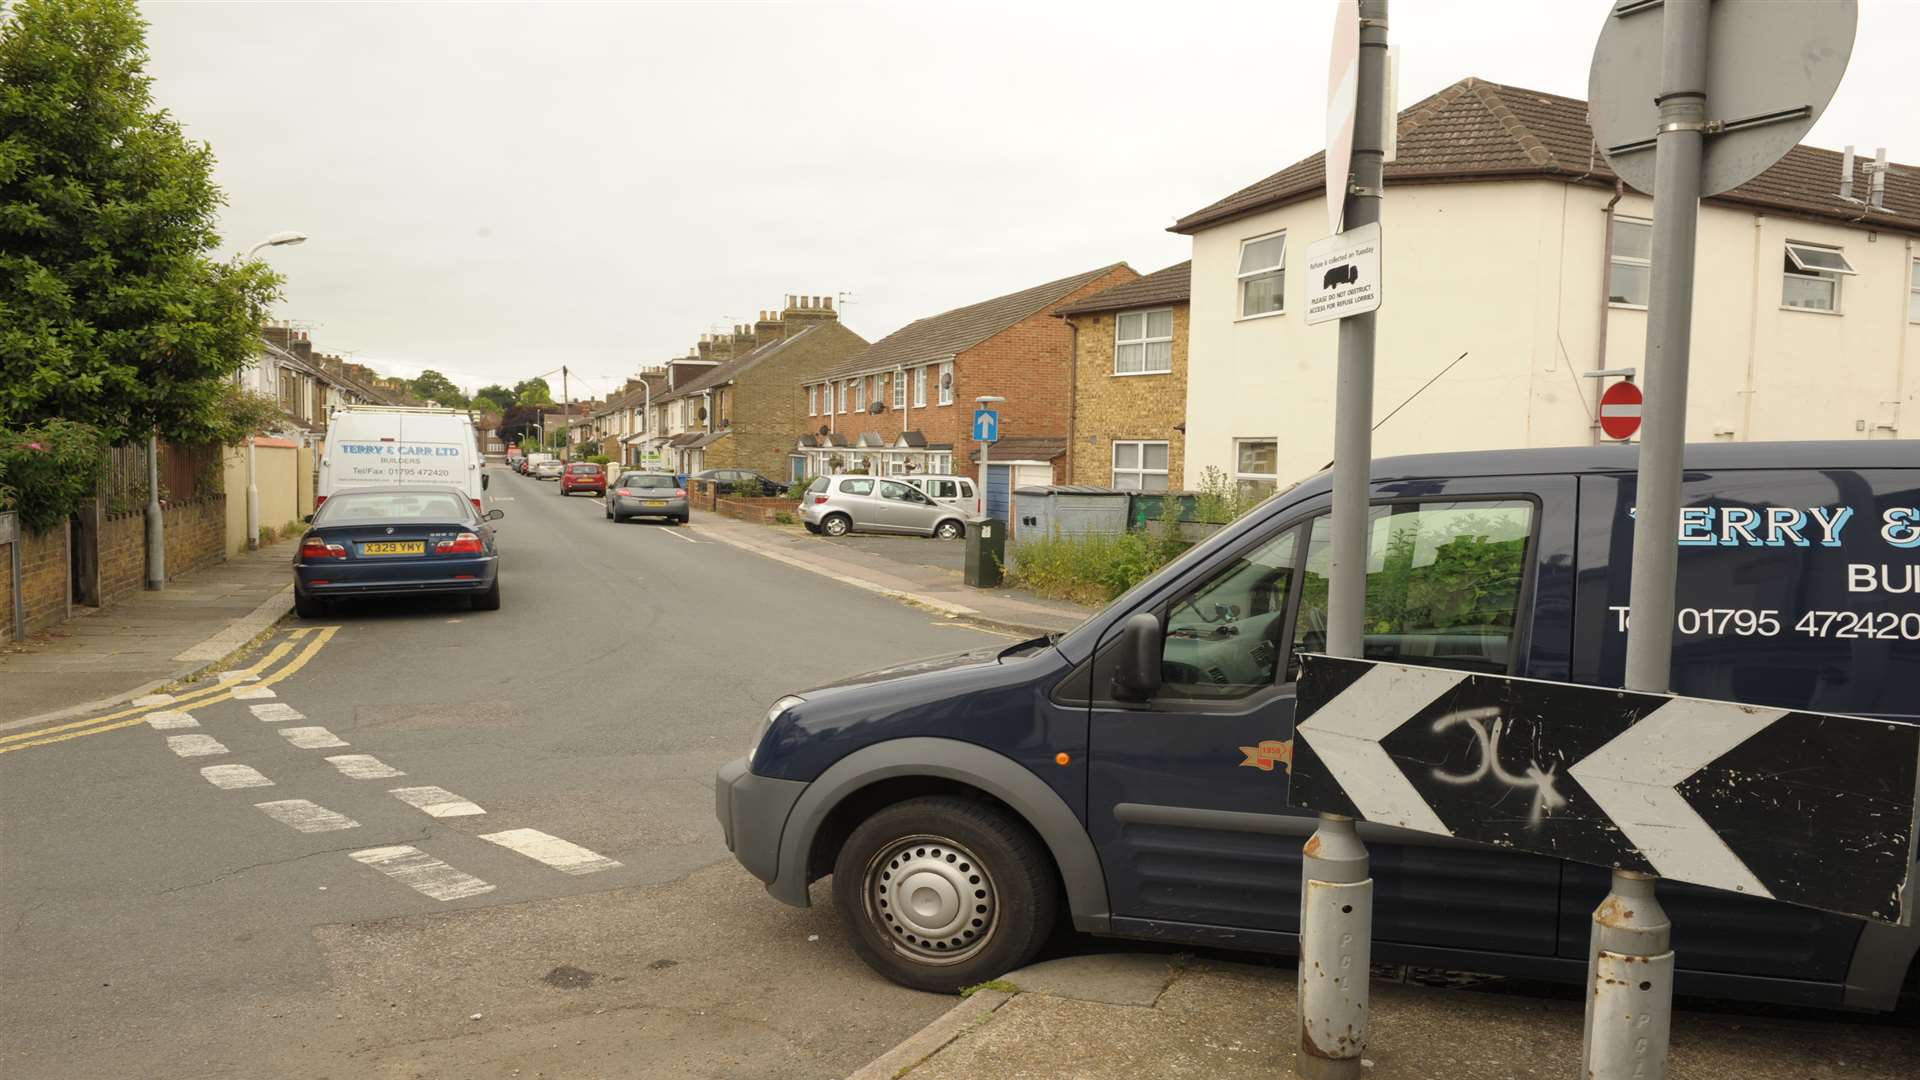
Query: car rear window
{"points": [[395, 506], [819, 484], [585, 468], [645, 480]]}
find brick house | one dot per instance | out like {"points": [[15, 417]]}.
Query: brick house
{"points": [[905, 403], [744, 413], [1127, 428]]}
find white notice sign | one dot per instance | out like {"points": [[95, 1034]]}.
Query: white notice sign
{"points": [[1343, 274]]}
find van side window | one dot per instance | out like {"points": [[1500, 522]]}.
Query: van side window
{"points": [[1224, 639], [1443, 583]]}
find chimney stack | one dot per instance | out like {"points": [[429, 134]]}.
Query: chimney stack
{"points": [[1846, 173], [809, 309], [1877, 184], [769, 328]]}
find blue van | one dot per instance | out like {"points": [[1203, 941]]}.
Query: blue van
{"points": [[965, 804]]}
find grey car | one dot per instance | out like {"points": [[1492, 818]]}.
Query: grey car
{"points": [[642, 494], [837, 505], [548, 470]]}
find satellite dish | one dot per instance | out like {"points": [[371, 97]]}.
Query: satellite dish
{"points": [[877, 408], [946, 380], [824, 429], [703, 413]]}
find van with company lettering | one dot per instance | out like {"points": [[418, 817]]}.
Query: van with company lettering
{"points": [[385, 445], [1130, 777]]}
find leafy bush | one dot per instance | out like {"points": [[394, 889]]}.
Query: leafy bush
{"points": [[1221, 499], [50, 470], [597, 459], [1093, 569], [798, 489], [781, 517]]}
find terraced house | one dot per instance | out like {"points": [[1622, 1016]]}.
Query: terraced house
{"points": [[904, 405], [1127, 428]]}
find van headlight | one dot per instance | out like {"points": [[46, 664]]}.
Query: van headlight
{"points": [[766, 723]]}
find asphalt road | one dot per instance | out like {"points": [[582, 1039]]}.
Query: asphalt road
{"points": [[158, 922]]}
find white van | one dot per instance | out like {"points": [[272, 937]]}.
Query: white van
{"points": [[956, 491], [383, 445]]}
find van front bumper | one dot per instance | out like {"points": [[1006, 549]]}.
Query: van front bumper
{"points": [[753, 813]]}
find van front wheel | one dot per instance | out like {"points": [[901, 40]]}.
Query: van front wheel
{"points": [[940, 893]]}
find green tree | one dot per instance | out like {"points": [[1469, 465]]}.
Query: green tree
{"points": [[533, 391], [486, 403], [438, 388], [501, 396], [111, 311]]}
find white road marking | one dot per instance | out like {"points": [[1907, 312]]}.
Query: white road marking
{"points": [[237, 675], [676, 533], [1346, 733], [363, 767], [312, 738], [252, 693], [228, 777], [153, 699], [306, 816], [275, 711], [436, 801], [170, 718], [566, 857], [194, 745], [1634, 775], [422, 872]]}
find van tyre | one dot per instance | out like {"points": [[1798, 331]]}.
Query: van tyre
{"points": [[489, 600], [941, 893], [949, 530], [836, 525]]}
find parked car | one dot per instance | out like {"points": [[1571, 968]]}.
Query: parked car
{"points": [[583, 476], [644, 494], [1147, 824], [396, 541], [955, 491], [548, 470], [733, 479], [839, 504]]}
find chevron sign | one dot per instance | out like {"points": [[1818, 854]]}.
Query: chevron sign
{"points": [[1807, 808]]}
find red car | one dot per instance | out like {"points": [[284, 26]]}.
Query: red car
{"points": [[583, 476]]}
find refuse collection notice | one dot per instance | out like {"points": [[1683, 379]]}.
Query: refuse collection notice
{"points": [[397, 463], [1343, 274]]}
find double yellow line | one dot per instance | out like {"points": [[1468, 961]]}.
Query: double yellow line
{"points": [[221, 691]]}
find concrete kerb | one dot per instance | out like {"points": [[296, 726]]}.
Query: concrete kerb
{"points": [[929, 1040], [236, 637]]}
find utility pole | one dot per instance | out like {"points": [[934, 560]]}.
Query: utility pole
{"points": [[566, 410], [1336, 877], [156, 523]]}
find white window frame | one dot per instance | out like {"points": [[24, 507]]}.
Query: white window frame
{"points": [[1141, 472], [1797, 265], [920, 387], [1913, 291], [845, 393], [899, 384], [1146, 315], [1243, 276], [946, 382], [813, 401], [1270, 480], [1616, 259], [860, 393]]}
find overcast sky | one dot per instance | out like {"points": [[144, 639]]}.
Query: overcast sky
{"points": [[494, 190]]}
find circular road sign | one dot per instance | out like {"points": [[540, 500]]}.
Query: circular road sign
{"points": [[1620, 410], [1772, 66]]}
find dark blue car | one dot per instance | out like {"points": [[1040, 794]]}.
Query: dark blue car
{"points": [[397, 541], [963, 805]]}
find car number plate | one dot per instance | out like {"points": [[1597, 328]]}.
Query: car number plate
{"points": [[395, 547], [654, 502]]}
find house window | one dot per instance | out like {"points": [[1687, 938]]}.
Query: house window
{"points": [[1140, 466], [1255, 465], [1263, 275], [1913, 293], [813, 401], [860, 394], [939, 464], [844, 391], [920, 387], [1143, 342], [946, 383], [1629, 273], [1811, 277], [899, 390]]}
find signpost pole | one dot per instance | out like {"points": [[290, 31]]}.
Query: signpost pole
{"points": [[1630, 960], [1336, 893]]}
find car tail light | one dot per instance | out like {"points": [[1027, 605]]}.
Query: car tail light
{"points": [[623, 493], [464, 544], [313, 547], [319, 501], [819, 500]]}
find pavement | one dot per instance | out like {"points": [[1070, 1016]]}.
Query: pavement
{"points": [[108, 656], [917, 570], [1124, 1016]]}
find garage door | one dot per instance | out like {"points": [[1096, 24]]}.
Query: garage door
{"points": [[999, 490]]}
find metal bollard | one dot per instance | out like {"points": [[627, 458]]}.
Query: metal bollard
{"points": [[1336, 948], [1629, 984]]}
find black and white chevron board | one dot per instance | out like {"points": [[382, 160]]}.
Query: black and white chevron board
{"points": [[1808, 808]]}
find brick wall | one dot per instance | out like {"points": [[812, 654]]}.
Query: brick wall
{"points": [[196, 534], [768, 417], [44, 580], [123, 556], [1109, 407]]}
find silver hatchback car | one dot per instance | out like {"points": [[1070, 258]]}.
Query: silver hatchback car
{"points": [[839, 504]]}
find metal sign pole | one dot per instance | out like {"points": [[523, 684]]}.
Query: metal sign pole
{"points": [[1630, 959], [1336, 888]]}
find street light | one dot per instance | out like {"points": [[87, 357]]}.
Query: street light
{"points": [[286, 238]]}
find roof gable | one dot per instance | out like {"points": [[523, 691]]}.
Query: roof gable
{"points": [[1170, 286]]}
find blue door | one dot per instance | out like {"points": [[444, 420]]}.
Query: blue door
{"points": [[999, 490]]}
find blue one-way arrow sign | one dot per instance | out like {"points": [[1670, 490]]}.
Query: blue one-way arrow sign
{"points": [[986, 425]]}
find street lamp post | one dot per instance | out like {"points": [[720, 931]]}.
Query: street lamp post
{"points": [[284, 238], [985, 447]]}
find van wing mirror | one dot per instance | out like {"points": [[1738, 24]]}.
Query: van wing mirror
{"points": [[1137, 675]]}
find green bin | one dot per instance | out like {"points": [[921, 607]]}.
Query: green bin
{"points": [[986, 553]]}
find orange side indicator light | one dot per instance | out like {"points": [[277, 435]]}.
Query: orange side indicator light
{"points": [[1061, 758]]}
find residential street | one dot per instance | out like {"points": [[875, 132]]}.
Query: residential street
{"points": [[157, 924]]}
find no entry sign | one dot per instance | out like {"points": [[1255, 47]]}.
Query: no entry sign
{"points": [[1620, 410]]}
